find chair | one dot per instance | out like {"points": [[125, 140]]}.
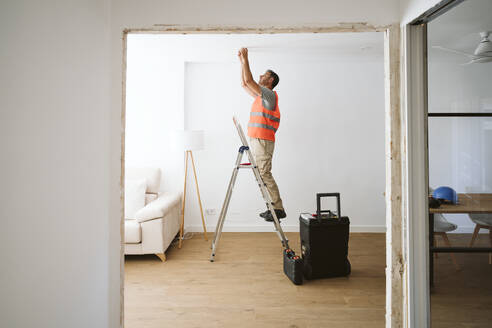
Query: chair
{"points": [[151, 215], [482, 221], [441, 227]]}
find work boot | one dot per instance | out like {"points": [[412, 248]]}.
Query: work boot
{"points": [[279, 213], [265, 214]]}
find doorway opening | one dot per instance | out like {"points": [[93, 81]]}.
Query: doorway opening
{"points": [[196, 85]]}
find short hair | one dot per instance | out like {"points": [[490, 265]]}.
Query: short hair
{"points": [[276, 79]]}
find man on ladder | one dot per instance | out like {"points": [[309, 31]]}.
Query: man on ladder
{"points": [[263, 123], [261, 129]]}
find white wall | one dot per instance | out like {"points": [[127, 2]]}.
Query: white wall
{"points": [[54, 167], [127, 13], [154, 111], [331, 136]]}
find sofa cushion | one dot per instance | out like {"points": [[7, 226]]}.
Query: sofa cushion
{"points": [[159, 207], [150, 174], [133, 232], [134, 196]]}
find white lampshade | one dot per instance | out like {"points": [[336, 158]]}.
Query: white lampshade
{"points": [[193, 140]]}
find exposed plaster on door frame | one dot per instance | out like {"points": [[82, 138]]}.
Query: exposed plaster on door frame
{"points": [[396, 264], [211, 29]]}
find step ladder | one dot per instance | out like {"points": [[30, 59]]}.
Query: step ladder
{"points": [[266, 196]]}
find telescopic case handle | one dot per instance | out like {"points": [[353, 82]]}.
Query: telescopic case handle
{"points": [[318, 203]]}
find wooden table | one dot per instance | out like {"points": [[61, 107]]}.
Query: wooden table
{"points": [[467, 203]]}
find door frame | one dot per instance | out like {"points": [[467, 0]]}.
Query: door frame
{"points": [[414, 105], [397, 267]]}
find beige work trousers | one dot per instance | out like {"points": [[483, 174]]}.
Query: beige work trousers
{"points": [[262, 151]]}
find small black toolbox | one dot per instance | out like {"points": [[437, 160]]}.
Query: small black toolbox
{"points": [[324, 241], [293, 267]]}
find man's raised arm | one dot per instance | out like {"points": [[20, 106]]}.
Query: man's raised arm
{"points": [[253, 87], [243, 83]]}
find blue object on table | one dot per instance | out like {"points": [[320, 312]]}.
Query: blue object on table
{"points": [[446, 194]]}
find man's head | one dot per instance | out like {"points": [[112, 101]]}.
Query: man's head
{"points": [[269, 79]]}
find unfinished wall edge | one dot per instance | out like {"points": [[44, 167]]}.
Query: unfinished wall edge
{"points": [[395, 261], [259, 29]]}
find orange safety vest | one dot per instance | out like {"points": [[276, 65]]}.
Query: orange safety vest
{"points": [[263, 123]]}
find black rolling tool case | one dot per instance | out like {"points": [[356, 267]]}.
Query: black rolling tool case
{"points": [[324, 241]]}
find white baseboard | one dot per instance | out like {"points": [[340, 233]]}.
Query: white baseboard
{"points": [[374, 229], [270, 228], [295, 228]]}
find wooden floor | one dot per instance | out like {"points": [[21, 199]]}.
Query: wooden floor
{"points": [[245, 287]]}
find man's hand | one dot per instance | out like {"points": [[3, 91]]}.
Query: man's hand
{"points": [[244, 53]]}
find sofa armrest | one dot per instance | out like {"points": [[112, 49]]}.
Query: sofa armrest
{"points": [[159, 207]]}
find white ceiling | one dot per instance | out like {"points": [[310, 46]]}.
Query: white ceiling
{"points": [[459, 29], [224, 47]]}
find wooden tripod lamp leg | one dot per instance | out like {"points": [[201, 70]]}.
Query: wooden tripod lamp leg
{"points": [[199, 199], [183, 203]]}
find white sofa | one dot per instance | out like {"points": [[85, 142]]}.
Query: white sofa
{"points": [[151, 219]]}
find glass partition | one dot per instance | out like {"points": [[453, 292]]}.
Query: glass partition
{"points": [[460, 161]]}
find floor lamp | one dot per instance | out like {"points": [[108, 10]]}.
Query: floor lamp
{"points": [[192, 140]]}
